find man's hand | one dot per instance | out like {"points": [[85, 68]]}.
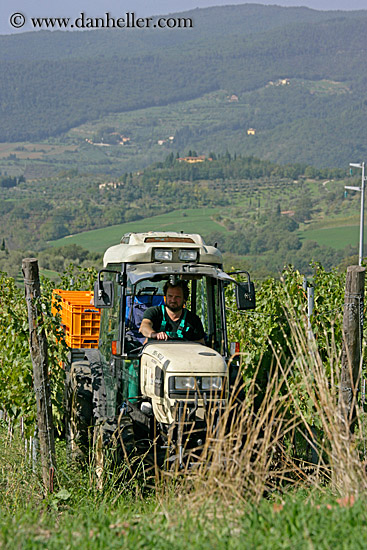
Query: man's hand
{"points": [[146, 329], [159, 335]]}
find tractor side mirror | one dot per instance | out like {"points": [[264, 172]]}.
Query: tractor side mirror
{"points": [[245, 295], [103, 294]]}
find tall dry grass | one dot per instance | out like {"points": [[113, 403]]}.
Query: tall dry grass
{"points": [[339, 451], [257, 451]]}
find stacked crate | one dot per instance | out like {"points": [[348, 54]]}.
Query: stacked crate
{"points": [[79, 318]]}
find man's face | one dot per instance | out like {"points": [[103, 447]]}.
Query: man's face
{"points": [[175, 298]]}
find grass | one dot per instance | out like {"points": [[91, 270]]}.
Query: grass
{"points": [[200, 221], [336, 237], [77, 516], [323, 87], [249, 489], [170, 517], [50, 274], [192, 220], [294, 522], [33, 151]]}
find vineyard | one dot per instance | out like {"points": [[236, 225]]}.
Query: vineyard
{"points": [[288, 465]]}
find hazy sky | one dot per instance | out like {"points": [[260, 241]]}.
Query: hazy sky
{"points": [[117, 8]]}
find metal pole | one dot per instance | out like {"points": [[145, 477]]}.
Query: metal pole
{"points": [[310, 306], [304, 284], [361, 226], [361, 222], [311, 338]]}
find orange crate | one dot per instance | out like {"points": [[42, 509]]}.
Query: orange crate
{"points": [[80, 319], [78, 342]]}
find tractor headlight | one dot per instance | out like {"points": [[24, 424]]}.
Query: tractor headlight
{"points": [[184, 383], [211, 383], [162, 255], [186, 255]]}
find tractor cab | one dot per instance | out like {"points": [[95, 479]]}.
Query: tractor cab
{"points": [[133, 278]]}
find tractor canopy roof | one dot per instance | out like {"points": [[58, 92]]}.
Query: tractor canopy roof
{"points": [[162, 247]]}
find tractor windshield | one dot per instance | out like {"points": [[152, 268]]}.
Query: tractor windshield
{"points": [[205, 300]]}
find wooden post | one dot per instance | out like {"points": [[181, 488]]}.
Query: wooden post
{"points": [[352, 342], [38, 349]]}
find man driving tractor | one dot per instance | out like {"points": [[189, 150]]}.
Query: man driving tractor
{"points": [[172, 320]]}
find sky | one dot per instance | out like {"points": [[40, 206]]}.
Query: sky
{"points": [[117, 8]]}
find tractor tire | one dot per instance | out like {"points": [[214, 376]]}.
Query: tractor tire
{"points": [[78, 409], [114, 444]]}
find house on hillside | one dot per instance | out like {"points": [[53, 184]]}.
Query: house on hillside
{"points": [[124, 140], [279, 82], [193, 160], [251, 132], [111, 185]]}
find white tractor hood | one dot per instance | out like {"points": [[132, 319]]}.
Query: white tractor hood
{"points": [[185, 357]]}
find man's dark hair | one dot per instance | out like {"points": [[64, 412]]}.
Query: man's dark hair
{"points": [[178, 284]]}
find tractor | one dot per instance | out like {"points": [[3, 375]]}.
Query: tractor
{"points": [[137, 394]]}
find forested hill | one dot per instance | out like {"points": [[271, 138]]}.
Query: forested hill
{"points": [[52, 81], [209, 25]]}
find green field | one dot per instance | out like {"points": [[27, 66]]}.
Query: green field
{"points": [[197, 221], [336, 237], [193, 220]]}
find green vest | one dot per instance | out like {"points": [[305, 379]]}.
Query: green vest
{"points": [[181, 327]]}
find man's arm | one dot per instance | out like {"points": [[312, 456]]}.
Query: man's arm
{"points": [[146, 328]]}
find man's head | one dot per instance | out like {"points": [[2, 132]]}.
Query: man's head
{"points": [[176, 295]]}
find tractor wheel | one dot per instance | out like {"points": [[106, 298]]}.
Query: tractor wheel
{"points": [[79, 409], [114, 444]]}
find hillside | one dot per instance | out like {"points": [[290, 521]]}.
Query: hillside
{"points": [[210, 24], [263, 215], [235, 49]]}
